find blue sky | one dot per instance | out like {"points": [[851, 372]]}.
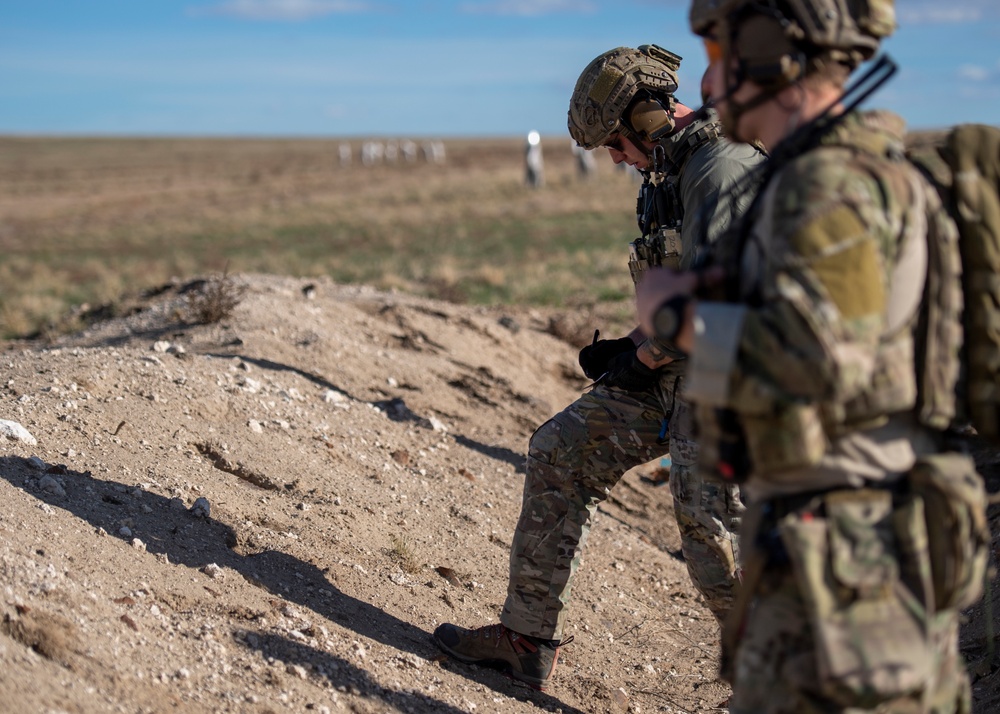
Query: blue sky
{"points": [[394, 68]]}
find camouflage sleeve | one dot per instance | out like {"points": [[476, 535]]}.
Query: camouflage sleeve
{"points": [[713, 193], [821, 240]]}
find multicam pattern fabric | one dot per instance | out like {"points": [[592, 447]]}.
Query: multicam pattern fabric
{"points": [[580, 454], [823, 384], [573, 462]]}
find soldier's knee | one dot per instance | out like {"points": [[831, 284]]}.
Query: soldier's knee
{"points": [[555, 442]]}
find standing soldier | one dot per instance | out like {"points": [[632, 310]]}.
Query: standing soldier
{"points": [[807, 377], [534, 164], [624, 100]]}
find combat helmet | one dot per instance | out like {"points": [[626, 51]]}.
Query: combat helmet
{"points": [[779, 41], [625, 91]]}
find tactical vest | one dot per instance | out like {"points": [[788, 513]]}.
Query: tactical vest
{"points": [[799, 434], [659, 209], [892, 387]]}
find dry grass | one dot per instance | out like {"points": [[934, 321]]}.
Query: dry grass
{"points": [[84, 222], [403, 554], [215, 299]]}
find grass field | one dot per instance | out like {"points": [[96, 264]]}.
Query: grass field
{"points": [[88, 221]]}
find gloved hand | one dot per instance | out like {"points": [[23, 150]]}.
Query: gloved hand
{"points": [[595, 357], [627, 372]]}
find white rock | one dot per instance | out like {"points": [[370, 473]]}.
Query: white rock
{"points": [[298, 670], [161, 346], [438, 425], [15, 432], [332, 396], [255, 426], [125, 532], [213, 571], [138, 545]]}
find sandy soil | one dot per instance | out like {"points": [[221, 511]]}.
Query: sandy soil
{"points": [[273, 513]]}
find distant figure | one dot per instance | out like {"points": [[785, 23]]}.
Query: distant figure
{"points": [[433, 152], [585, 164], [391, 152], [344, 152], [534, 166], [409, 150], [437, 151], [372, 152]]}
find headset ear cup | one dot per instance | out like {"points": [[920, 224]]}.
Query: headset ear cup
{"points": [[650, 119], [767, 54]]}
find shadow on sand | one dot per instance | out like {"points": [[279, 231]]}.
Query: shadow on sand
{"points": [[196, 542]]}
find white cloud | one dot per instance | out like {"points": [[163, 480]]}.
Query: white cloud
{"points": [[926, 12], [287, 10], [527, 8], [973, 72]]}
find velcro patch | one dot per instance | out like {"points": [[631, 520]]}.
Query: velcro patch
{"points": [[845, 261], [606, 81]]}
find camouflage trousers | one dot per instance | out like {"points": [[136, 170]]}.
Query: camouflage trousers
{"points": [[573, 461], [776, 654]]}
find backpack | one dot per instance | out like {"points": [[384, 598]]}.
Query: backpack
{"points": [[965, 169]]}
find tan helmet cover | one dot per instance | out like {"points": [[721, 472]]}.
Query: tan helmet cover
{"points": [[848, 30], [609, 85]]}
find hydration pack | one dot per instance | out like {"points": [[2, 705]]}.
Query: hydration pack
{"points": [[962, 343]]}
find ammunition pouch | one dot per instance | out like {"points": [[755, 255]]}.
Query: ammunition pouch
{"points": [[792, 437], [661, 248], [872, 640], [954, 501]]}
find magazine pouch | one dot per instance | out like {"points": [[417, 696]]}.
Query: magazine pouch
{"points": [[954, 498], [870, 635]]}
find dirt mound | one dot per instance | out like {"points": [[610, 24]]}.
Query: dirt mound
{"points": [[274, 512]]}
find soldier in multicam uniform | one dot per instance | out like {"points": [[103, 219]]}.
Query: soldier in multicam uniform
{"points": [[805, 360], [624, 100]]}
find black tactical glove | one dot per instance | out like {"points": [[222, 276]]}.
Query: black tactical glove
{"points": [[627, 372], [595, 357]]}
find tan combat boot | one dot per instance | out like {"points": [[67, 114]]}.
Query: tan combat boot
{"points": [[526, 658]]}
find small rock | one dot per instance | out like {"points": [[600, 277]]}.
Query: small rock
{"points": [[255, 426], [213, 571], [177, 504], [298, 670], [332, 396], [162, 558], [15, 432], [138, 545], [50, 485], [438, 425], [37, 464], [201, 508], [125, 532], [620, 697], [161, 346]]}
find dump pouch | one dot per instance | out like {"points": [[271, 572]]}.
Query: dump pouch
{"points": [[871, 639], [954, 499]]}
